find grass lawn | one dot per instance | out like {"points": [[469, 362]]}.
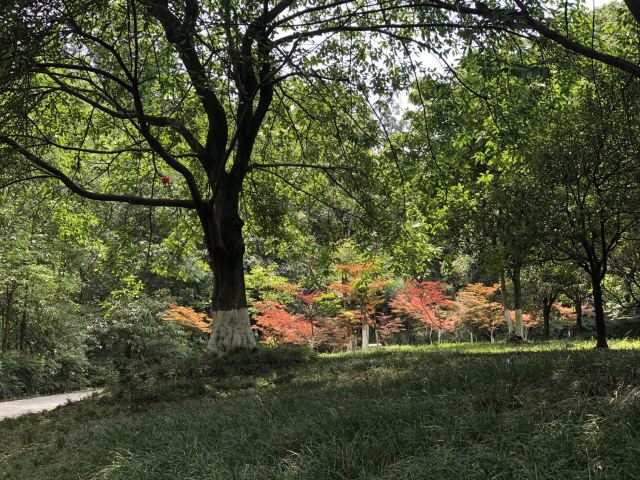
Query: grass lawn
{"points": [[555, 411]]}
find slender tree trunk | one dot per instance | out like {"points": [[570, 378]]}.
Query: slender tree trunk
{"points": [[23, 323], [223, 234], [6, 331], [546, 314], [471, 336], [517, 300], [365, 334], [598, 303], [505, 306], [578, 306], [439, 336], [377, 337]]}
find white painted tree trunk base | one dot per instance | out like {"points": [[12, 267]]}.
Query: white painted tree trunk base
{"points": [[508, 320], [519, 326], [231, 331], [365, 335]]}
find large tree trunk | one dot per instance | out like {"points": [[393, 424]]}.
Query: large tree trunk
{"points": [[505, 306], [223, 233], [601, 334], [517, 301]]}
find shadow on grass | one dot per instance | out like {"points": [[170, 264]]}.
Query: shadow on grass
{"points": [[389, 414]]}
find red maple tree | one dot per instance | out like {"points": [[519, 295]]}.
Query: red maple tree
{"points": [[274, 322], [426, 302], [387, 326], [568, 316]]}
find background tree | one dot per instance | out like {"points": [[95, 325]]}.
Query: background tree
{"points": [[475, 308]]}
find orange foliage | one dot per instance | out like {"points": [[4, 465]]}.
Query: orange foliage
{"points": [[361, 290], [287, 287], [529, 320], [356, 270], [568, 314], [188, 317], [475, 307]]}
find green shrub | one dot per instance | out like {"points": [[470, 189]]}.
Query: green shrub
{"points": [[23, 374], [132, 335]]}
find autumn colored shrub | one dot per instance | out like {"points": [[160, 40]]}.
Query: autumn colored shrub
{"points": [[189, 318]]}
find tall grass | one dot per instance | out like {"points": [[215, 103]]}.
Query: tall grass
{"points": [[548, 411]]}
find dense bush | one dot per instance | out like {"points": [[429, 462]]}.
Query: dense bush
{"points": [[22, 374], [121, 342], [132, 335]]}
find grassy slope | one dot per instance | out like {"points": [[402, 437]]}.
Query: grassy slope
{"points": [[478, 411]]}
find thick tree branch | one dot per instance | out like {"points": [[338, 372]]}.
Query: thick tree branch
{"points": [[522, 15], [83, 192], [302, 165], [154, 120], [545, 31], [181, 38]]}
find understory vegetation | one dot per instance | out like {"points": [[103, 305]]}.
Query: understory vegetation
{"points": [[559, 410]]}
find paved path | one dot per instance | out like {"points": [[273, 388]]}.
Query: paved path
{"points": [[16, 408]]}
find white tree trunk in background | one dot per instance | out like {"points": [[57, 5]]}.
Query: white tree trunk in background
{"points": [[508, 319], [505, 307], [439, 336], [231, 330], [519, 325], [365, 335]]}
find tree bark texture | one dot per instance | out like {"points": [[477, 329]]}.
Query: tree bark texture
{"points": [[505, 306], [365, 334], [517, 300], [598, 303], [223, 234]]}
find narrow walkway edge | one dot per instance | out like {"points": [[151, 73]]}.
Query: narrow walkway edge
{"points": [[15, 408]]}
